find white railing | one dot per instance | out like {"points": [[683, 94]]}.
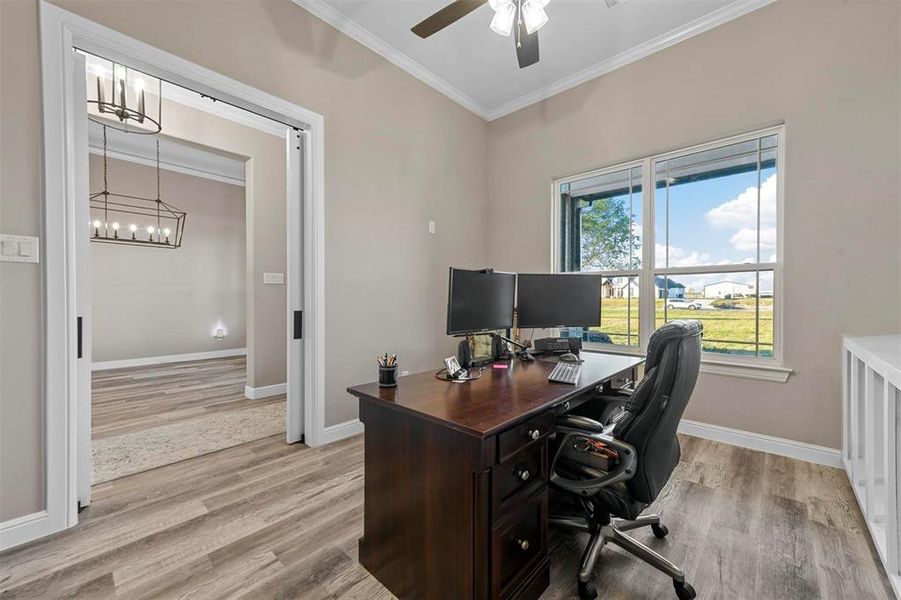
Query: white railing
{"points": [[871, 392]]}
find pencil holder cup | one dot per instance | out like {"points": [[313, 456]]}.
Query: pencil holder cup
{"points": [[388, 376]]}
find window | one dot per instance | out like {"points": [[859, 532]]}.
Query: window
{"points": [[601, 231], [687, 234]]}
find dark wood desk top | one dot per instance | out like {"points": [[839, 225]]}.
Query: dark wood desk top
{"points": [[499, 399]]}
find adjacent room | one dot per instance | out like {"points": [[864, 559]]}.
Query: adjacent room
{"points": [[169, 296], [450, 299]]}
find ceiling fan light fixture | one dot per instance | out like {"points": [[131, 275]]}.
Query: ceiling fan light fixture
{"points": [[502, 23], [533, 15]]}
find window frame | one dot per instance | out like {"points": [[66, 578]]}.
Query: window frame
{"points": [[716, 362]]}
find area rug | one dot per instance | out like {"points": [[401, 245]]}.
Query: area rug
{"points": [[130, 453]]}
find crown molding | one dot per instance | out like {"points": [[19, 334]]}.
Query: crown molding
{"points": [[175, 168], [174, 155], [692, 28], [357, 32]]}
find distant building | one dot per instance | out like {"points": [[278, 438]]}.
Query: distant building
{"points": [[732, 289], [612, 289]]}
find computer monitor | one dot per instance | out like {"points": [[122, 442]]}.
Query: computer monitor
{"points": [[479, 301], [559, 300]]}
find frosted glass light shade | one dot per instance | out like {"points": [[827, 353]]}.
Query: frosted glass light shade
{"points": [[533, 16], [502, 23]]}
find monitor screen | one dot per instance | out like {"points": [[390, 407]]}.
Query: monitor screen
{"points": [[479, 301], [559, 300]]}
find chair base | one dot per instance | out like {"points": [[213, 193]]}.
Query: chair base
{"points": [[613, 531]]}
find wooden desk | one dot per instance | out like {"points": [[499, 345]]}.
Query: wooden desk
{"points": [[456, 478]]}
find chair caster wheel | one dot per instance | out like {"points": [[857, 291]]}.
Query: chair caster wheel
{"points": [[587, 591], [684, 591], [659, 530]]}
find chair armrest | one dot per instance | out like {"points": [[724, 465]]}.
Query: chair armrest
{"points": [[623, 471], [579, 422]]}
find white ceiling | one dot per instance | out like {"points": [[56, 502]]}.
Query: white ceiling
{"points": [[477, 68]]}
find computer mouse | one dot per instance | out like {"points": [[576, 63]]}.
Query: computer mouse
{"points": [[569, 357]]}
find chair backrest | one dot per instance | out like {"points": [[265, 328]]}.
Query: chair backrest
{"points": [[654, 410]]}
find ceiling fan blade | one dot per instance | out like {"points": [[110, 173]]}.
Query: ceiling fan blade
{"points": [[526, 48], [446, 16]]}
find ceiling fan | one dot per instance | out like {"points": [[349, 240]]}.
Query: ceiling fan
{"points": [[526, 16]]}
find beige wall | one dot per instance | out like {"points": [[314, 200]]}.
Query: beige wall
{"points": [[830, 71], [21, 414], [158, 302], [397, 154], [266, 210]]}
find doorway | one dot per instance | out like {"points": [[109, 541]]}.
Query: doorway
{"points": [[67, 311], [170, 292]]}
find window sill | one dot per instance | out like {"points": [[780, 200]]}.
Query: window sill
{"points": [[760, 372], [757, 371]]}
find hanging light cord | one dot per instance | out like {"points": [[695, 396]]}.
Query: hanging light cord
{"points": [[105, 186], [158, 201]]}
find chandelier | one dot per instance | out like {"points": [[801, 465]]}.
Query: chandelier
{"points": [[120, 99], [150, 221], [530, 13]]}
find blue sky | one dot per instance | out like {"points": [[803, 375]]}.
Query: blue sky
{"points": [[715, 222]]}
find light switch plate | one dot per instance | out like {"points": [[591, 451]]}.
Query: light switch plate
{"points": [[19, 248], [431, 226], [274, 278]]}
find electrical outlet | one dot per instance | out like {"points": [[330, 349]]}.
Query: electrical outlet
{"points": [[274, 278], [404, 373]]}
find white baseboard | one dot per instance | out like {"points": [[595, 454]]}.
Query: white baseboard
{"points": [[162, 360], [24, 529], [820, 455], [333, 433], [255, 393]]}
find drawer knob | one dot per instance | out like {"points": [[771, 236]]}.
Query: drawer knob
{"points": [[523, 473], [523, 544], [533, 433]]}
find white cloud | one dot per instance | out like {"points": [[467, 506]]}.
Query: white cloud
{"points": [[746, 239], [679, 257], [741, 211]]}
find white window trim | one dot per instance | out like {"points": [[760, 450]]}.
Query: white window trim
{"points": [[763, 369]]}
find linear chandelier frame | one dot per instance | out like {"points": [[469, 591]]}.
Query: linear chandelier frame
{"points": [[167, 221]]}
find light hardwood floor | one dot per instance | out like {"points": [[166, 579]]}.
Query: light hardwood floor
{"points": [[145, 417], [140, 398], [268, 520]]}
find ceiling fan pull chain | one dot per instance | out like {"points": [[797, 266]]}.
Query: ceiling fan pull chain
{"points": [[519, 23]]}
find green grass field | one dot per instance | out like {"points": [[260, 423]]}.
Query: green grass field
{"points": [[729, 330]]}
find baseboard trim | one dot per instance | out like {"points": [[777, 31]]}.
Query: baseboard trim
{"points": [[820, 455], [255, 393], [24, 529], [334, 433], [162, 360]]}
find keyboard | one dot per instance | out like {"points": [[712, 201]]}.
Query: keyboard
{"points": [[566, 373]]}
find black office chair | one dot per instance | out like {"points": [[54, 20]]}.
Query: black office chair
{"points": [[606, 472]]}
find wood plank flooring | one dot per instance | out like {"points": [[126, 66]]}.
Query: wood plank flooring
{"points": [[145, 417], [268, 520], [139, 398]]}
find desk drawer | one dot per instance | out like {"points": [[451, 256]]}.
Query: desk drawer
{"points": [[512, 440], [520, 474], [518, 544]]}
